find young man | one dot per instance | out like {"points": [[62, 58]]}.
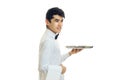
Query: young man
{"points": [[50, 59]]}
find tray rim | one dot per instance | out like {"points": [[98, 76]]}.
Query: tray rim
{"points": [[79, 47]]}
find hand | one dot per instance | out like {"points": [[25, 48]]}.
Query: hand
{"points": [[74, 51], [63, 68]]}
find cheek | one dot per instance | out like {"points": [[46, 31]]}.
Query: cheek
{"points": [[55, 25], [61, 24]]}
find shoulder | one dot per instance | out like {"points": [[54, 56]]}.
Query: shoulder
{"points": [[47, 42]]}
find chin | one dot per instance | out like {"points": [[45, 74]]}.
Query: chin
{"points": [[58, 31]]}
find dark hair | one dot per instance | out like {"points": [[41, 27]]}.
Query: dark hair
{"points": [[54, 11]]}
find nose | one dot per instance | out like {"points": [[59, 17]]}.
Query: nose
{"points": [[60, 24]]}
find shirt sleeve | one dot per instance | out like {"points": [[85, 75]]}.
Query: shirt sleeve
{"points": [[65, 56], [46, 51]]}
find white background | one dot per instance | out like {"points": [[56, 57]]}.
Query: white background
{"points": [[87, 22]]}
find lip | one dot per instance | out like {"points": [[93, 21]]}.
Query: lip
{"points": [[58, 28]]}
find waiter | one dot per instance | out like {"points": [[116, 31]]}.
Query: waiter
{"points": [[50, 58]]}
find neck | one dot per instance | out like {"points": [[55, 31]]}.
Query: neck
{"points": [[52, 30]]}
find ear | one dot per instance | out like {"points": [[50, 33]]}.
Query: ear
{"points": [[47, 22]]}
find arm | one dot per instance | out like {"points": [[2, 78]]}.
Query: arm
{"points": [[46, 51], [73, 51], [65, 56]]}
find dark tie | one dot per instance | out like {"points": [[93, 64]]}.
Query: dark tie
{"points": [[56, 36]]}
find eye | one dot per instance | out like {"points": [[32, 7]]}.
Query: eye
{"points": [[56, 20], [62, 20]]}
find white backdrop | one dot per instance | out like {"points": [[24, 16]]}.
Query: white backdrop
{"points": [[87, 22]]}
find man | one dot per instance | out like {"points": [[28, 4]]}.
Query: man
{"points": [[50, 59]]}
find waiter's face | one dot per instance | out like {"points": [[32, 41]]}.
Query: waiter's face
{"points": [[56, 23]]}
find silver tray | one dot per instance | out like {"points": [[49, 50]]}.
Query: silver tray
{"points": [[79, 47]]}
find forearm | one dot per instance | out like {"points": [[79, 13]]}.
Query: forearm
{"points": [[70, 53], [65, 56]]}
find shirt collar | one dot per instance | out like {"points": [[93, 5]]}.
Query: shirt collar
{"points": [[50, 33]]}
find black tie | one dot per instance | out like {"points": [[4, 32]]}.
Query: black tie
{"points": [[56, 36]]}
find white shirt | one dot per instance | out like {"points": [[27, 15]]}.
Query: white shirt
{"points": [[50, 57]]}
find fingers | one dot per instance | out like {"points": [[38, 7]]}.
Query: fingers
{"points": [[76, 50]]}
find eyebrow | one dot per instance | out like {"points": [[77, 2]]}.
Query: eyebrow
{"points": [[58, 19]]}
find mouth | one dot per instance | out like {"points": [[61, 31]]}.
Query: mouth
{"points": [[59, 29]]}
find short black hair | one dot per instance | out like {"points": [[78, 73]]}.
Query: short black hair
{"points": [[54, 11]]}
